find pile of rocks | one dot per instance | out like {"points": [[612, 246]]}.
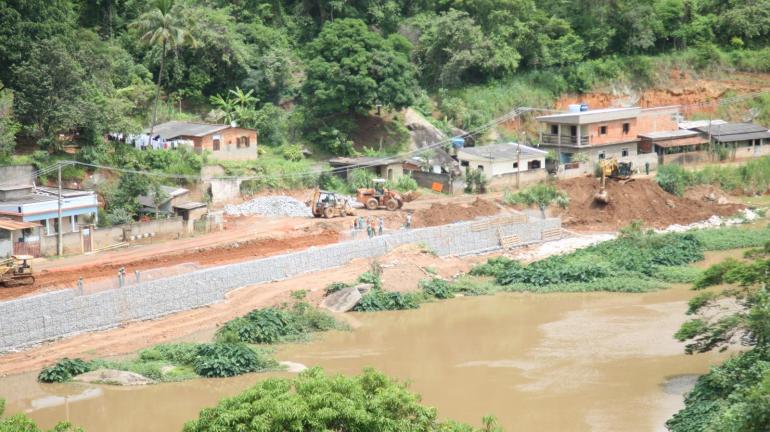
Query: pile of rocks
{"points": [[275, 205]]}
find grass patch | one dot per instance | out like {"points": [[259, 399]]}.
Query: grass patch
{"points": [[732, 237]]}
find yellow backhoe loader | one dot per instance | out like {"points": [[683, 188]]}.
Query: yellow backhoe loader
{"points": [[328, 204]]}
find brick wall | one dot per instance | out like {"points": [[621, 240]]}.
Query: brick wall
{"points": [[228, 144]]}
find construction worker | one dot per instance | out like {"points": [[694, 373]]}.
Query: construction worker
{"points": [[381, 225]]}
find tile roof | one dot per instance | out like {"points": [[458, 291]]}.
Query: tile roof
{"points": [[173, 129], [14, 225]]}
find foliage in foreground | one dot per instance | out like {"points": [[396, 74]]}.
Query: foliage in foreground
{"points": [[22, 423], [733, 396], [316, 401]]}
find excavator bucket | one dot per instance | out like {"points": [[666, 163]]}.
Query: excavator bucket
{"points": [[602, 197]]}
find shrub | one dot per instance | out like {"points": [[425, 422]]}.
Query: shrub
{"points": [[732, 237], [176, 353], [672, 178], [224, 360], [437, 288], [360, 178], [676, 274], [334, 287], [272, 325], [406, 183], [494, 266], [379, 300], [63, 370], [293, 152], [314, 401]]}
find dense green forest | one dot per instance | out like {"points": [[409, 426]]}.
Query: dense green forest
{"points": [[305, 71]]}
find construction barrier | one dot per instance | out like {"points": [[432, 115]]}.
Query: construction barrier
{"points": [[53, 315]]}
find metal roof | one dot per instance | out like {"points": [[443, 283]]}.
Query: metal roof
{"points": [[68, 193], [505, 151], [364, 161], [174, 129], [148, 200], [190, 205], [14, 225], [695, 124], [591, 116], [681, 133], [729, 132]]}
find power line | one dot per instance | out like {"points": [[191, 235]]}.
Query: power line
{"points": [[371, 163]]}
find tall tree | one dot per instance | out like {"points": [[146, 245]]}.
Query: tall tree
{"points": [[160, 28]]}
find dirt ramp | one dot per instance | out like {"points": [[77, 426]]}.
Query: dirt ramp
{"points": [[639, 199], [442, 214]]}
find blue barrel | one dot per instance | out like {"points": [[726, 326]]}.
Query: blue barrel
{"points": [[458, 142], [584, 107]]}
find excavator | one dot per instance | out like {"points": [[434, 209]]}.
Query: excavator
{"points": [[611, 168]]}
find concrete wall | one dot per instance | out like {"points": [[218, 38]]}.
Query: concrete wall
{"points": [[56, 314], [224, 190], [163, 228], [509, 180], [73, 244], [426, 180], [16, 174]]}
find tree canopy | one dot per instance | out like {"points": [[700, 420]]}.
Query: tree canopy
{"points": [[317, 401]]}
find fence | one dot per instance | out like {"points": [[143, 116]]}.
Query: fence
{"points": [[53, 315]]}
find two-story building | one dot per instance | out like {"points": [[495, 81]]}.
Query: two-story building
{"points": [[28, 203]]}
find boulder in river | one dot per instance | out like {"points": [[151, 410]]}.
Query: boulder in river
{"points": [[114, 377], [342, 300]]}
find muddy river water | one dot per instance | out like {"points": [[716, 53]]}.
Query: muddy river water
{"points": [[538, 362]]}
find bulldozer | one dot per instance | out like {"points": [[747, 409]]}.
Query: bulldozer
{"points": [[328, 205], [16, 271], [379, 196], [611, 168]]}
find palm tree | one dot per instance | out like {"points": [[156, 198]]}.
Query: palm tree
{"points": [[243, 99], [160, 27], [226, 105]]}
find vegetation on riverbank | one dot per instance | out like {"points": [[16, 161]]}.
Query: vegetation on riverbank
{"points": [[317, 401], [750, 178], [238, 348], [732, 396]]}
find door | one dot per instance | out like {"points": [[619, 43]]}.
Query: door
{"points": [[87, 245]]}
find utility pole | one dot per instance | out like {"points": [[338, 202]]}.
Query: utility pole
{"points": [[59, 242], [518, 159], [711, 152]]}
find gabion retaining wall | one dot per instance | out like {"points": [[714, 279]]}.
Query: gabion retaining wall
{"points": [[53, 315]]}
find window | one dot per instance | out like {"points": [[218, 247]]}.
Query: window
{"points": [[216, 145], [515, 165], [602, 155], [554, 130], [481, 168], [533, 164], [245, 141], [602, 130], [573, 131], [216, 142], [624, 152], [464, 163], [626, 128]]}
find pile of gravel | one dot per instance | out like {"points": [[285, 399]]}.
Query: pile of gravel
{"points": [[276, 205]]}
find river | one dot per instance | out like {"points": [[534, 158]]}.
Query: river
{"points": [[538, 362]]}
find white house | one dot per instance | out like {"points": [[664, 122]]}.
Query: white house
{"points": [[502, 159]]}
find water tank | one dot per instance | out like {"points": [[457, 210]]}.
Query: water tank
{"points": [[458, 142], [583, 107], [573, 108]]}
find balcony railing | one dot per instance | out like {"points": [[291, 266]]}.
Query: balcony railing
{"points": [[565, 140]]}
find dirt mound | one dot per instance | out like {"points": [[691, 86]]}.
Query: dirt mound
{"points": [[442, 214], [639, 199]]}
